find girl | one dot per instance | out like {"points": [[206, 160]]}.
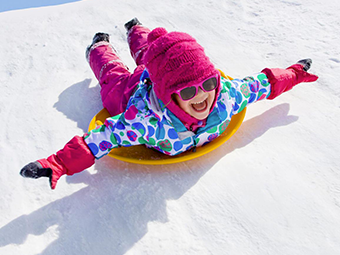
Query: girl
{"points": [[175, 99]]}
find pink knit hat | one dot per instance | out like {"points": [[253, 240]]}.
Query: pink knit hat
{"points": [[175, 60]]}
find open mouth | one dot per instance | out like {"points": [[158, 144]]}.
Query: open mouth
{"points": [[200, 106]]}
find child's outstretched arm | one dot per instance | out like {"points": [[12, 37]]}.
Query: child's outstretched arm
{"points": [[80, 152], [282, 80], [73, 158], [268, 84]]}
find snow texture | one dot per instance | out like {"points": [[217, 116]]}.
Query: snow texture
{"points": [[273, 188]]}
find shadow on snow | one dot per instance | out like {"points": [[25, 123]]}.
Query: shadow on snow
{"points": [[113, 212]]}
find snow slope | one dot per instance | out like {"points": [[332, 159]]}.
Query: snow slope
{"points": [[274, 188]]}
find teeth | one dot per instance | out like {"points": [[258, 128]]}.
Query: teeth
{"points": [[199, 102]]}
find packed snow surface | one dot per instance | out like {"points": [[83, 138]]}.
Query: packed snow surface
{"points": [[273, 188]]}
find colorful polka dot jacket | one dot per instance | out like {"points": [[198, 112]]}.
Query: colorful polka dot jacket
{"points": [[147, 121]]}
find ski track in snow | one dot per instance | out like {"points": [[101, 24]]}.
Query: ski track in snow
{"points": [[273, 188]]}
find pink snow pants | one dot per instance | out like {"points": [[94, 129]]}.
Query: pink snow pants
{"points": [[116, 81]]}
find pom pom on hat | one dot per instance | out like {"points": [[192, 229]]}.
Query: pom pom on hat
{"points": [[156, 33]]}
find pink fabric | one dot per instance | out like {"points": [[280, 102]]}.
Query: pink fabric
{"points": [[117, 83], [137, 40], [73, 158], [175, 60], [282, 80]]}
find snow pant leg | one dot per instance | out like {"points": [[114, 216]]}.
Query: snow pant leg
{"points": [[138, 43], [117, 83]]}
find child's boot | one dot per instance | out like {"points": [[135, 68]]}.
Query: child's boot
{"points": [[128, 25], [98, 37]]}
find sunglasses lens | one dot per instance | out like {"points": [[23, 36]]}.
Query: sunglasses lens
{"points": [[188, 93], [210, 84]]}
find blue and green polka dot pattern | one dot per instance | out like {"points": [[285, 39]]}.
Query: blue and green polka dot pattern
{"points": [[144, 123]]}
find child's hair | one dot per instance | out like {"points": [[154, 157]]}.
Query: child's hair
{"points": [[175, 60]]}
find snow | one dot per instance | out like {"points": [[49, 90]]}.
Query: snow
{"points": [[273, 188]]}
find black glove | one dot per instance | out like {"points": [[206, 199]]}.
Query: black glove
{"points": [[306, 63], [35, 170]]}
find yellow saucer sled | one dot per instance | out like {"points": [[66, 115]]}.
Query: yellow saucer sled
{"points": [[140, 154]]}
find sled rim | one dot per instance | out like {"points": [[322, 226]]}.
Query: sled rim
{"points": [[140, 154]]}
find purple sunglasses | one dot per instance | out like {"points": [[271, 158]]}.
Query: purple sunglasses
{"points": [[207, 85]]}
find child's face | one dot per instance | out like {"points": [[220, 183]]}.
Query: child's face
{"points": [[199, 106]]}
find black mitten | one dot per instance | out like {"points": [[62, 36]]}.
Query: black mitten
{"points": [[35, 170], [306, 63]]}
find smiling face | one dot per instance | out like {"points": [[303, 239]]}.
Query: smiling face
{"points": [[199, 106]]}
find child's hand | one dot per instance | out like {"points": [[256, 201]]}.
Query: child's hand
{"points": [[51, 167], [282, 80], [35, 170], [73, 158], [306, 63]]}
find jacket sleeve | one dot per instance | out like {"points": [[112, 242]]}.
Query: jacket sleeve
{"points": [[126, 129], [246, 91]]}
